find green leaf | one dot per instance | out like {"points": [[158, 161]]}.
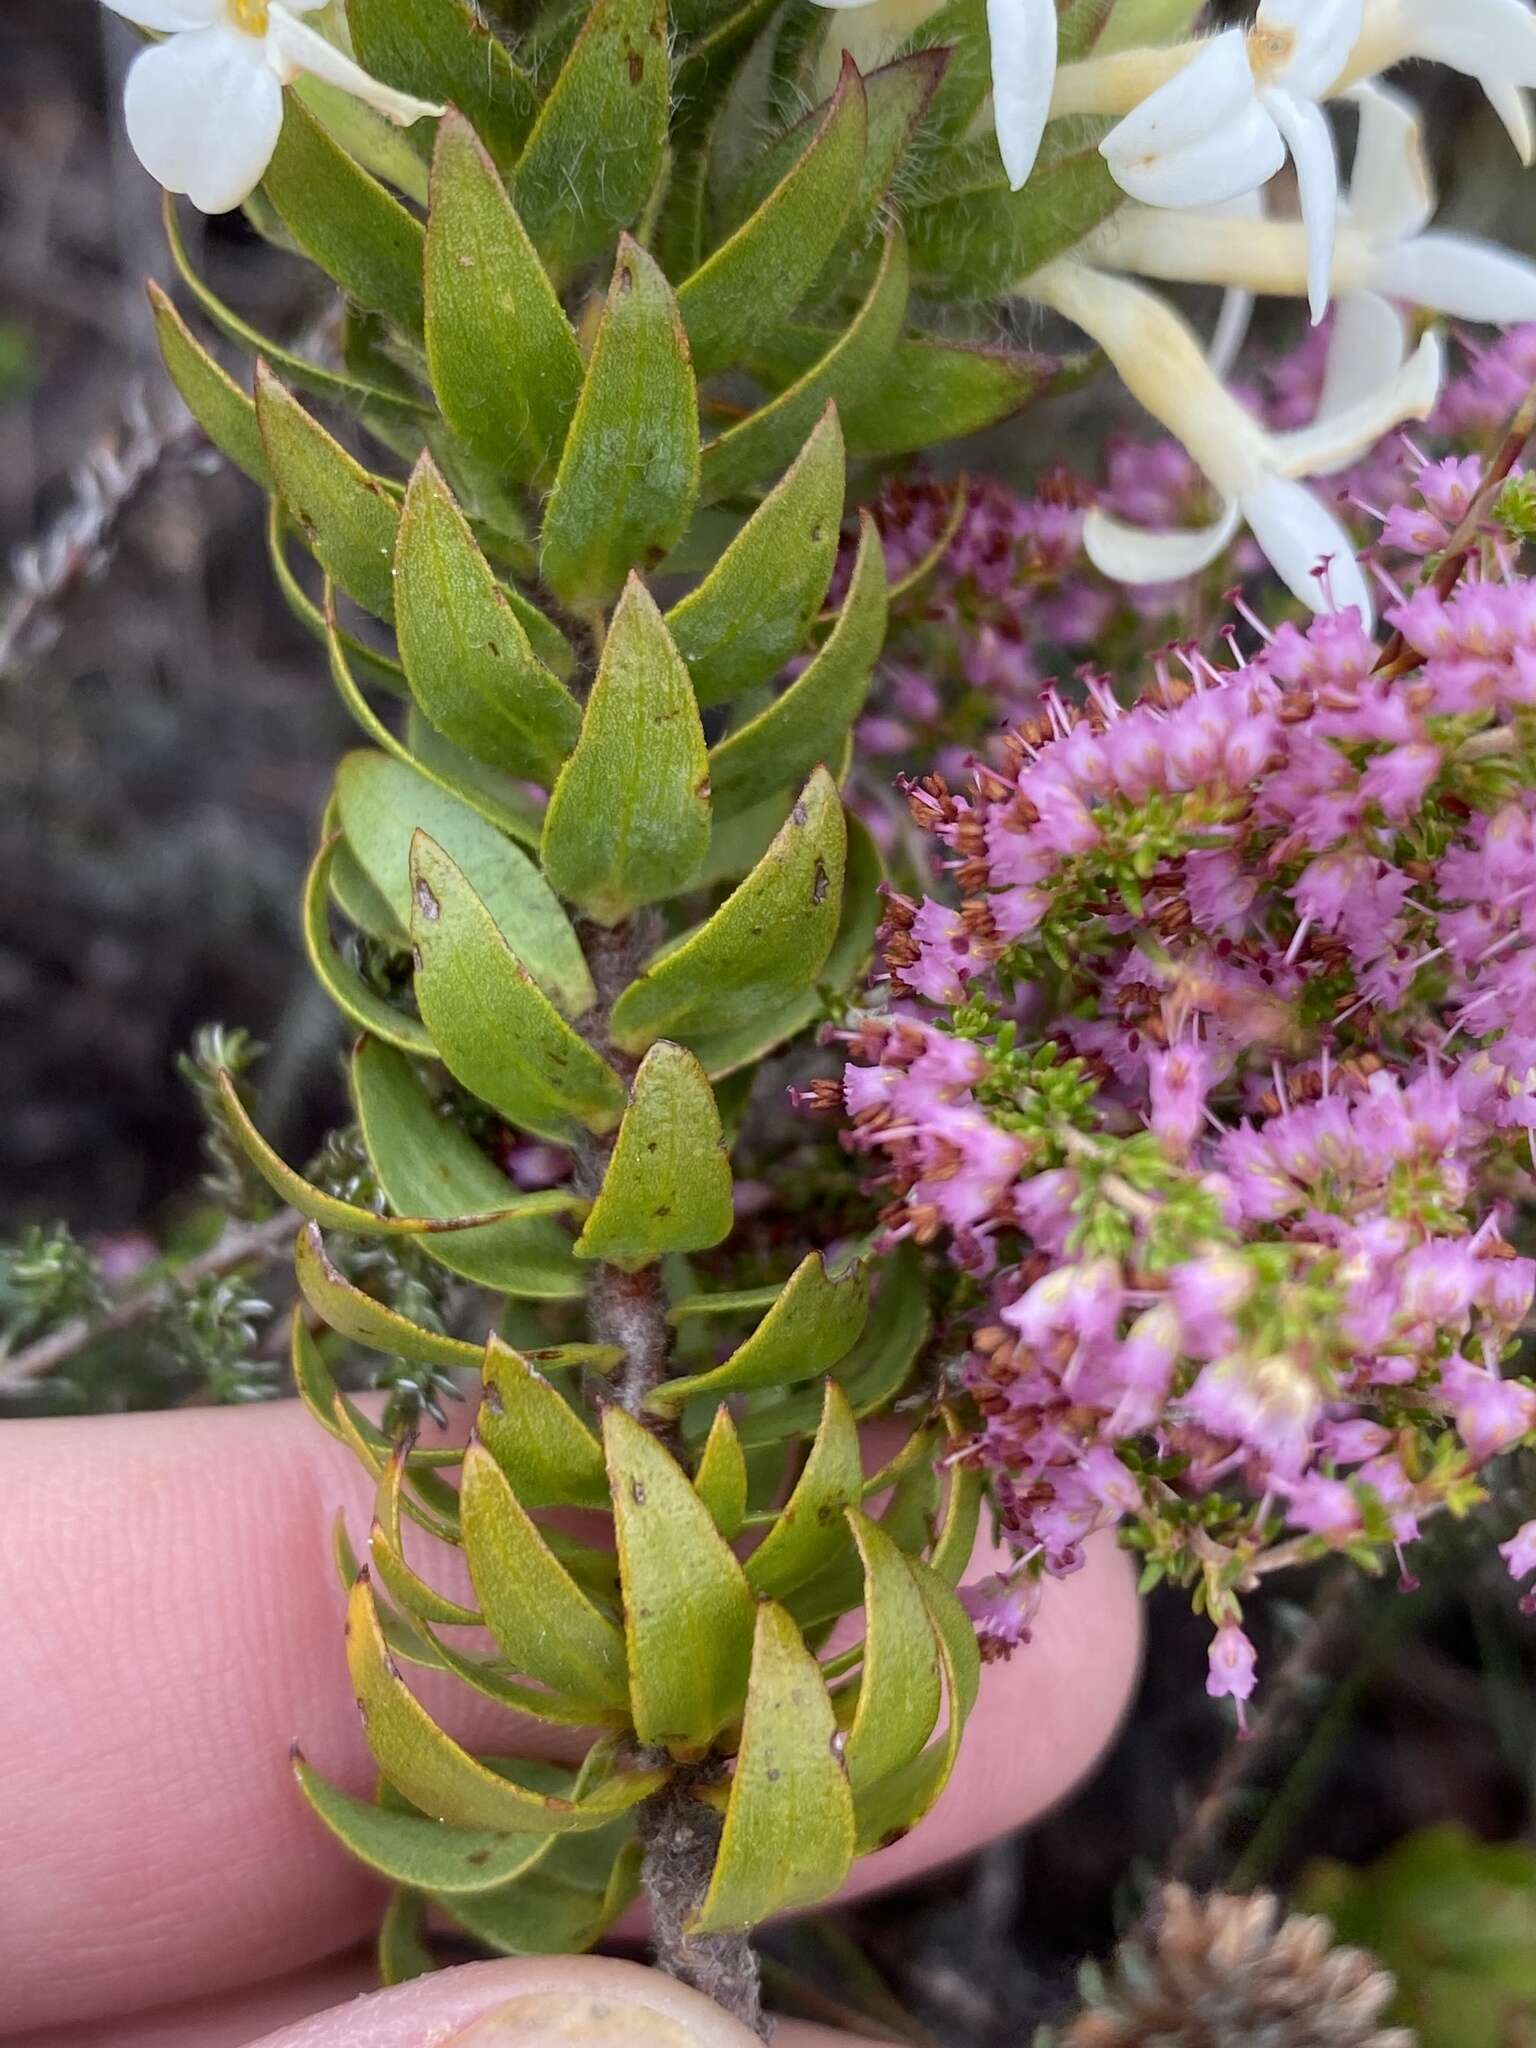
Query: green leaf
{"points": [[978, 239], [1082, 23], [956, 1540], [928, 391], [628, 821], [892, 1806], [442, 50], [667, 1186], [499, 798], [813, 1322], [212, 397], [764, 441], [721, 1480], [688, 1613], [428, 1165], [597, 148], [896, 96], [360, 903], [344, 220], [418, 1852], [442, 1779], [1137, 24], [900, 1691], [808, 1531], [380, 669], [789, 1827], [763, 947], [768, 265], [467, 659], [504, 361], [421, 1601], [495, 1030], [346, 516], [356, 1000], [351, 1313], [959, 28], [314, 1202], [546, 1626], [546, 1913], [876, 1368], [810, 722], [402, 1946], [383, 804], [752, 610], [629, 473], [537, 1438], [746, 1039], [388, 151]]}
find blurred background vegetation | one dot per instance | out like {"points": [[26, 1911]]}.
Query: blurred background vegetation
{"points": [[166, 739]]}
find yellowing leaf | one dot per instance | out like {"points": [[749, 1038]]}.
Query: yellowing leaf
{"points": [[789, 1827], [495, 1029], [667, 1185], [688, 1613], [628, 822]]}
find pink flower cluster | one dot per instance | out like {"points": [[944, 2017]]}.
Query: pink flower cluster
{"points": [[1214, 1076]]}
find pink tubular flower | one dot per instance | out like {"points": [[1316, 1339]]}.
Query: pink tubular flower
{"points": [[1003, 1611], [1270, 1405], [1231, 1674]]}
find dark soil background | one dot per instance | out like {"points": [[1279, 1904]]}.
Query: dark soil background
{"points": [[166, 739]]}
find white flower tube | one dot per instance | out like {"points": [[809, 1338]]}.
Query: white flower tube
{"points": [[1382, 252], [1022, 34], [204, 108], [1225, 122], [1255, 472]]}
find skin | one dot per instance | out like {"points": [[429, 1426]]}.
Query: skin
{"points": [[172, 1621]]}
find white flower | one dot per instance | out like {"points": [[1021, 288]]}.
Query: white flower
{"points": [[1023, 40], [203, 108], [1223, 124], [1492, 41], [1384, 251], [1255, 472]]}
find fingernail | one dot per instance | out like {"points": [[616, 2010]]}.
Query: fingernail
{"points": [[574, 2019]]}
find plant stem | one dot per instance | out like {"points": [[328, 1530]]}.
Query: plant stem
{"points": [[248, 1244], [1397, 657], [679, 1835]]}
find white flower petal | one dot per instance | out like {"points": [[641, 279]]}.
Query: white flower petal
{"points": [[1366, 350], [1205, 94], [1219, 165], [167, 16], [1230, 331], [1330, 442], [1391, 194], [1310, 140], [1299, 535], [1483, 38], [1325, 32], [1023, 35], [1459, 275], [292, 46], [203, 113], [1134, 554], [1512, 104]]}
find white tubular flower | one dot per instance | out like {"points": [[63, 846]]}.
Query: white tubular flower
{"points": [[1492, 41], [1223, 124], [1023, 40], [203, 108], [1383, 252], [1255, 472]]}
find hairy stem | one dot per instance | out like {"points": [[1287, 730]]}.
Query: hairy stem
{"points": [[679, 1836]]}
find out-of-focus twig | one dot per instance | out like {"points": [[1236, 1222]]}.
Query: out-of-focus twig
{"points": [[79, 544], [249, 1244]]}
